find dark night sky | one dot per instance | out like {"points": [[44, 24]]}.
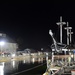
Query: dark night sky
{"points": [[30, 22]]}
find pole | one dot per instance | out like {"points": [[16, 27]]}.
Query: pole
{"points": [[52, 57], [61, 33], [67, 34], [47, 59], [70, 35], [61, 30], [67, 28], [61, 24]]}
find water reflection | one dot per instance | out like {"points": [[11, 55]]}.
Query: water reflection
{"points": [[24, 61], [27, 60], [2, 68], [13, 64], [33, 60], [9, 68], [40, 60]]}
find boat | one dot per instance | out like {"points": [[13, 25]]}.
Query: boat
{"points": [[62, 56]]}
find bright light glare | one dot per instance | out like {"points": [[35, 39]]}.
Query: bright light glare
{"points": [[2, 43], [72, 56], [13, 55]]}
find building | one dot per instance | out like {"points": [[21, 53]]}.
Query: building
{"points": [[7, 45]]}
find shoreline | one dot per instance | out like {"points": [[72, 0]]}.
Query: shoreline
{"points": [[18, 58]]}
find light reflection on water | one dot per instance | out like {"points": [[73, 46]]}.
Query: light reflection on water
{"points": [[33, 60], [2, 68], [9, 68], [13, 64]]}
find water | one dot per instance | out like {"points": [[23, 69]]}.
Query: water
{"points": [[25, 67]]}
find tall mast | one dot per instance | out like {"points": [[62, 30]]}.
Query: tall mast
{"points": [[67, 28], [70, 35], [61, 24]]}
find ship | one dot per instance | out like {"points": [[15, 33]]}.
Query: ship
{"points": [[63, 56]]}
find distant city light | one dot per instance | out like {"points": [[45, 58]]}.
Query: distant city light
{"points": [[13, 55], [41, 48], [2, 43]]}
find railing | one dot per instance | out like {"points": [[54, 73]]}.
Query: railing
{"points": [[58, 67]]}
